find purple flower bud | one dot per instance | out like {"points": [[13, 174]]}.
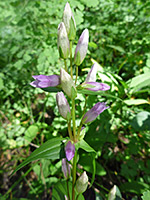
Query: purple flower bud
{"points": [[66, 82], [43, 81], [83, 127], [69, 150], [91, 77], [81, 48], [94, 112], [63, 41], [95, 86], [63, 105], [82, 183], [65, 168], [69, 22]]}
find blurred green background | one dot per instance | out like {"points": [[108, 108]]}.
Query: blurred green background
{"points": [[120, 42]]}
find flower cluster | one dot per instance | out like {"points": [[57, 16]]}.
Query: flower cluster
{"points": [[69, 90]]}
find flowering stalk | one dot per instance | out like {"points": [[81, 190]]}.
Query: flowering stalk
{"points": [[84, 110], [74, 119], [71, 69], [65, 82], [74, 175], [65, 65], [76, 75], [69, 130]]}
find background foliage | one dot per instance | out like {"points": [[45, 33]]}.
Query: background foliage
{"points": [[119, 42]]}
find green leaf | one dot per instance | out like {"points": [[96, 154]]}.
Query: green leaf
{"points": [[30, 134], [60, 190], [19, 64], [90, 3], [1, 83], [118, 48], [51, 89], [98, 197], [49, 150], [139, 82], [27, 57], [146, 195], [134, 187], [93, 44], [78, 17], [85, 146], [131, 102], [141, 121], [86, 162]]}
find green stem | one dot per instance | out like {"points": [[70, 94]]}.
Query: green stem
{"points": [[68, 190], [74, 175], [77, 196], [74, 119], [65, 64], [84, 110], [71, 70], [76, 74], [69, 130]]}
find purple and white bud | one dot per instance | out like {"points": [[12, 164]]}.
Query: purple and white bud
{"points": [[63, 41], [66, 82], [82, 183], [81, 48], [69, 22], [63, 105], [91, 77], [43, 81], [65, 168], [95, 86], [70, 151], [94, 112]]}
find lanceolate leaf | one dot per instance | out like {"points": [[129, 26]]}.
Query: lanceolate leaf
{"points": [[89, 92], [135, 102], [85, 146], [60, 191], [52, 89], [49, 150]]}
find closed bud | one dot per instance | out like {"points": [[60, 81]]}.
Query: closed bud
{"points": [[65, 168], [81, 48], [63, 41], [70, 151], [114, 193], [91, 77], [82, 183], [67, 83], [63, 105], [69, 22]]}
